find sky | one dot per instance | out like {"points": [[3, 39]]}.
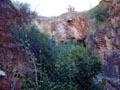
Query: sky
{"points": [[57, 7]]}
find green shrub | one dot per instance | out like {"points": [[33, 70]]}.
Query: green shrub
{"points": [[64, 67], [39, 45], [118, 1], [100, 13], [59, 67], [86, 68], [86, 71]]}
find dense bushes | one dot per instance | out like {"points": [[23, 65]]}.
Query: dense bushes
{"points": [[38, 45], [67, 66], [99, 17], [100, 13], [64, 67], [87, 67]]}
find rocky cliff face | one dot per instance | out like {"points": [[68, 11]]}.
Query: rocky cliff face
{"points": [[105, 43], [66, 27], [13, 59]]}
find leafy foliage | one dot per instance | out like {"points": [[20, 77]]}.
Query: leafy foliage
{"points": [[100, 13], [86, 65], [64, 67], [99, 16], [118, 1]]}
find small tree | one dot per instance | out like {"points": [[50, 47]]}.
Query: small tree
{"points": [[70, 8], [87, 67]]}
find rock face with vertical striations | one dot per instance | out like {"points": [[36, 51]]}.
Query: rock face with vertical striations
{"points": [[13, 59], [68, 26]]}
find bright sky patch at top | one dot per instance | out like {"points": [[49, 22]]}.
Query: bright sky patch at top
{"points": [[57, 7]]}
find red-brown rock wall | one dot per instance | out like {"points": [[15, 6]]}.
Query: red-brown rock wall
{"points": [[13, 59], [105, 43]]}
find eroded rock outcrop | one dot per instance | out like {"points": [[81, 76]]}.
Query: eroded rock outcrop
{"points": [[13, 59], [105, 43], [66, 27]]}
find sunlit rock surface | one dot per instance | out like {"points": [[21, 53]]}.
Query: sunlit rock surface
{"points": [[66, 27]]}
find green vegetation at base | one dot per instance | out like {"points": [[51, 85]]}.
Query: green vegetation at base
{"points": [[68, 66]]}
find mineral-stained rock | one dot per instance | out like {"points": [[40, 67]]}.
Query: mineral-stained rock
{"points": [[13, 59], [66, 27]]}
